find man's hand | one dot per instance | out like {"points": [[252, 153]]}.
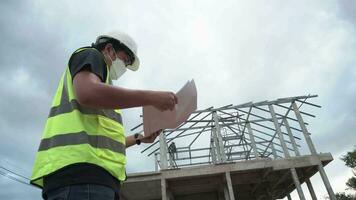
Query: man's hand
{"points": [[164, 100], [150, 138]]}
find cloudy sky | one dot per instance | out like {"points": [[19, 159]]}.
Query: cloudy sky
{"points": [[237, 51]]}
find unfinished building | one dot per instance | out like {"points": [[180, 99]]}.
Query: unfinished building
{"points": [[250, 151]]}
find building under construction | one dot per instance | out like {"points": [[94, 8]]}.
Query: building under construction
{"points": [[250, 151]]}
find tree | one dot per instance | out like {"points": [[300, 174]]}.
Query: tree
{"points": [[350, 161], [343, 196]]}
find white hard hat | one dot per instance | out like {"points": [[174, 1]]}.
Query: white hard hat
{"points": [[127, 41]]}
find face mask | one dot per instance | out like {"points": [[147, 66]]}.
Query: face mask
{"points": [[117, 68]]}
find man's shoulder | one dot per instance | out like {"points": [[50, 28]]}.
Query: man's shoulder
{"points": [[87, 51], [90, 59]]}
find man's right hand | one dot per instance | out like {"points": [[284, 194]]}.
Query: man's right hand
{"points": [[164, 100]]}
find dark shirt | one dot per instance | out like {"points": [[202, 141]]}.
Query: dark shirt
{"points": [[83, 173], [89, 59]]}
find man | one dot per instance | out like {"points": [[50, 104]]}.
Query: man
{"points": [[82, 151]]}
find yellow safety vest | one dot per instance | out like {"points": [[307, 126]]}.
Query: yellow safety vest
{"points": [[78, 134]]}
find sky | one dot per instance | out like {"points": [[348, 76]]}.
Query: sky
{"points": [[236, 51]]}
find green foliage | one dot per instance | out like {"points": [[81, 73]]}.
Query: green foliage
{"points": [[343, 196], [350, 159], [351, 183]]}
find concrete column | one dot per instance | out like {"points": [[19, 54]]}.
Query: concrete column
{"points": [[290, 134], [252, 139], [216, 145], [218, 134], [163, 151], [325, 179], [226, 193], [213, 152], [313, 151], [278, 130], [274, 152], [164, 189], [156, 162], [311, 189], [221, 147], [297, 184], [229, 185]]}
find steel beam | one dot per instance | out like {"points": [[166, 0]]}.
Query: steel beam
{"points": [[313, 152], [278, 130], [304, 129], [291, 138], [286, 154]]}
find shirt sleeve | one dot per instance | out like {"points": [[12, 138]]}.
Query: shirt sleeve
{"points": [[88, 59]]}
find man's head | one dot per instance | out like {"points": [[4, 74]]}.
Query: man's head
{"points": [[120, 52]]}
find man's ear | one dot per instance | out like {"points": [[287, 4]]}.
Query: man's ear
{"points": [[109, 50], [108, 47]]}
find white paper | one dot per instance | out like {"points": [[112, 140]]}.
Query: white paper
{"points": [[154, 119]]}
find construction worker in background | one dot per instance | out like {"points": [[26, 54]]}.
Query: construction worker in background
{"points": [[82, 151]]}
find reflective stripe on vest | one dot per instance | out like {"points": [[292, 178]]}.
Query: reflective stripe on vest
{"points": [[67, 106], [73, 104], [97, 141], [79, 134]]}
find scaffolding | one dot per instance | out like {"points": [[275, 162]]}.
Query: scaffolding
{"points": [[264, 132]]}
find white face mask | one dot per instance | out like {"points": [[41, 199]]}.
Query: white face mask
{"points": [[117, 68]]}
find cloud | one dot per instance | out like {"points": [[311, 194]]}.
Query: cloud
{"points": [[347, 10], [236, 51]]}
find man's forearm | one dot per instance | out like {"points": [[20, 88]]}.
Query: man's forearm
{"points": [[91, 92], [110, 97], [130, 141]]}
